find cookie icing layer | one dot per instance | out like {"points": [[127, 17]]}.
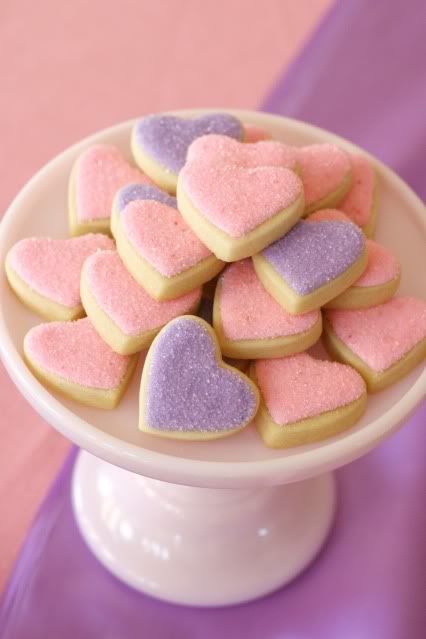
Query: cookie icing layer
{"points": [[298, 387], [311, 255], [75, 352], [381, 335], [187, 389]]}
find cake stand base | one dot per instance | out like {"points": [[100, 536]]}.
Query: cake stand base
{"points": [[199, 546]]}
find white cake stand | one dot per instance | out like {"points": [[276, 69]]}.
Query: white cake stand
{"points": [[234, 520]]}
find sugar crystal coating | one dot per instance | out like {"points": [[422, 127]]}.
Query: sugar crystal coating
{"points": [[52, 267], [248, 311], [358, 203], [220, 149], [75, 352], [125, 301], [313, 254], [101, 171], [237, 199], [132, 192], [323, 168], [298, 387], [382, 266], [166, 138], [383, 334], [162, 237], [187, 389]]}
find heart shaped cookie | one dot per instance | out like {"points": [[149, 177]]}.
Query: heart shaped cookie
{"points": [[187, 392], [383, 342], [122, 312], [326, 174], [305, 400], [237, 211], [312, 264], [377, 284], [381, 277], [134, 192], [360, 203], [71, 358], [160, 142], [219, 149], [160, 250], [96, 176], [250, 324], [45, 273]]}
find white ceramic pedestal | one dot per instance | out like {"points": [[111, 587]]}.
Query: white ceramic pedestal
{"points": [[200, 546], [258, 516]]}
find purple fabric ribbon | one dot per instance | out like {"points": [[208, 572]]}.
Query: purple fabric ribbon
{"points": [[363, 76]]}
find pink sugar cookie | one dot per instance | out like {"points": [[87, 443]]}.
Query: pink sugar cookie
{"points": [[100, 171], [122, 312], [161, 251], [382, 266], [359, 202], [237, 211], [162, 237], [253, 133], [306, 400], [74, 360], [383, 342], [326, 175], [220, 150], [250, 324], [45, 272]]}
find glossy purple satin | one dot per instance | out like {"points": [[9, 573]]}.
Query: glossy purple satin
{"points": [[363, 76]]}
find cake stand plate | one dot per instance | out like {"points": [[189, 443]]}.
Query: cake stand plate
{"points": [[204, 523]]}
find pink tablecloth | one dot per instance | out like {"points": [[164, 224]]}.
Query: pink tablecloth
{"points": [[69, 68]]}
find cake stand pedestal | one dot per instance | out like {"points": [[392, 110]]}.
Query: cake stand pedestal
{"points": [[200, 546]]}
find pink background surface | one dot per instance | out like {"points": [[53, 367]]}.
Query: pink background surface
{"points": [[68, 69]]}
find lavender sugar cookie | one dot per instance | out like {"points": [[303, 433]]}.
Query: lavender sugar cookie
{"points": [[160, 142], [187, 391], [312, 264]]}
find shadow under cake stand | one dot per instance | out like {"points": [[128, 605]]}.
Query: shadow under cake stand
{"points": [[213, 523]]}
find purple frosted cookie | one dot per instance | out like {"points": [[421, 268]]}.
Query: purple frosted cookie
{"points": [[312, 264], [160, 142], [187, 391], [137, 192]]}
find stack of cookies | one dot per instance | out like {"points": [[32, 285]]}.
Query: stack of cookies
{"points": [[222, 256]]}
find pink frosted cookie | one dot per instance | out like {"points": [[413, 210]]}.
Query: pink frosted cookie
{"points": [[381, 278], [221, 150], [304, 400], [326, 174], [187, 391], [71, 358], [377, 284], [122, 312], [383, 343], [161, 251], [250, 324], [360, 201], [253, 133], [95, 178], [237, 210], [45, 273], [160, 142]]}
